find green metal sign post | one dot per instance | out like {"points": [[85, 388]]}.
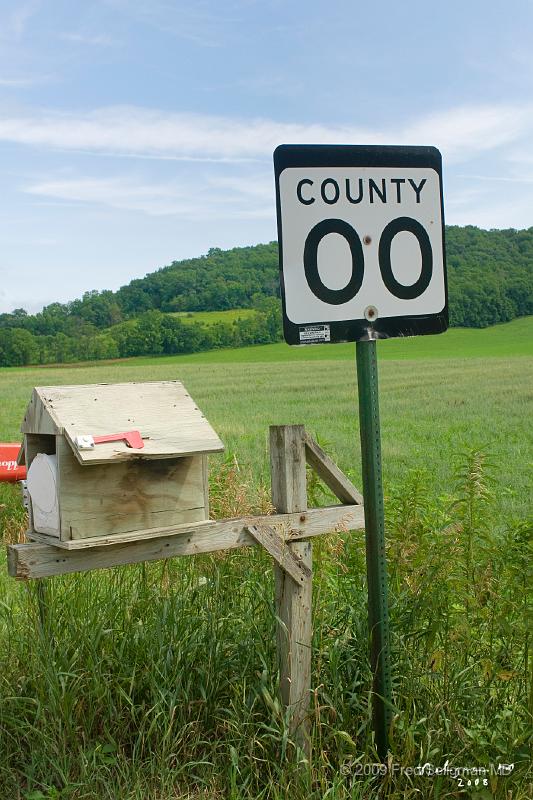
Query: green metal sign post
{"points": [[376, 564]]}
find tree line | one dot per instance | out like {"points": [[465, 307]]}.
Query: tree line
{"points": [[490, 280], [150, 333]]}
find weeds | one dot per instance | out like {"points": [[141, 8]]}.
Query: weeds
{"points": [[13, 517], [159, 681]]}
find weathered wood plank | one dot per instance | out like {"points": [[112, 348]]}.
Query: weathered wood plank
{"points": [[205, 474], [282, 554], [287, 467], [168, 419], [39, 419], [184, 521], [292, 599], [41, 560], [292, 527], [331, 474], [121, 538], [128, 496]]}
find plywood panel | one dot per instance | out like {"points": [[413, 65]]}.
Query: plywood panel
{"points": [[38, 418], [114, 498], [168, 419], [123, 524]]}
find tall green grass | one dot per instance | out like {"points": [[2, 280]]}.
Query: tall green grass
{"points": [[159, 681]]}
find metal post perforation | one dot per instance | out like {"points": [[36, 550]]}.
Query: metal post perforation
{"points": [[378, 617]]}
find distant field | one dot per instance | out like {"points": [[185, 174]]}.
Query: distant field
{"points": [[439, 395], [206, 317], [509, 339], [212, 317]]}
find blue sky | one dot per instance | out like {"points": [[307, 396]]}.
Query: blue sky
{"points": [[137, 132]]}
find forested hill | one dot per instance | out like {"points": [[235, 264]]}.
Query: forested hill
{"points": [[490, 276]]}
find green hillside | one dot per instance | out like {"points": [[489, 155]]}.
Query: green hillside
{"points": [[508, 340], [490, 276]]}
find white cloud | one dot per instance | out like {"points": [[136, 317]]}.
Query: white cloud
{"points": [[190, 21], [239, 184], [101, 39], [20, 17], [499, 178], [460, 133], [466, 131], [16, 83], [115, 192], [466, 198], [129, 130], [23, 83], [492, 214], [201, 200], [245, 190]]}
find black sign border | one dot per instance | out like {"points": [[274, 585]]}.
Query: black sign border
{"points": [[400, 156]]}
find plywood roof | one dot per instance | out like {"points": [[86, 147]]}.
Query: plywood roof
{"points": [[169, 421]]}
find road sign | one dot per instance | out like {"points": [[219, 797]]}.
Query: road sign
{"points": [[361, 242]]}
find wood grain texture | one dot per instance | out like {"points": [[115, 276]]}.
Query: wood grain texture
{"points": [[287, 467], [292, 599], [128, 496], [168, 419], [38, 418], [282, 554], [205, 473], [122, 538], [44, 560], [330, 473]]}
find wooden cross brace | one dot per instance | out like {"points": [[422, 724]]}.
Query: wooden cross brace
{"points": [[282, 554]]}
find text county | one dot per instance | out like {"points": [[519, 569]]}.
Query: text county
{"points": [[355, 190]]}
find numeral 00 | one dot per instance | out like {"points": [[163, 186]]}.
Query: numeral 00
{"points": [[348, 292]]}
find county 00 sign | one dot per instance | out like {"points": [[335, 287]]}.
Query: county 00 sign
{"points": [[361, 242]]}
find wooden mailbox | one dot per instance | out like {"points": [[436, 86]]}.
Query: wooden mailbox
{"points": [[114, 489]]}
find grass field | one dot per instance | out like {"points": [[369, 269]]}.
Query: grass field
{"points": [[143, 686], [212, 317], [206, 317], [439, 395]]}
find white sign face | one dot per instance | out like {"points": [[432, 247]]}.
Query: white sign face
{"points": [[360, 244]]}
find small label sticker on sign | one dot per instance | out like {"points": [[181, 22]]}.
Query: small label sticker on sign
{"points": [[310, 334]]}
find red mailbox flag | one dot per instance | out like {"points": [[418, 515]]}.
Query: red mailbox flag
{"points": [[9, 468]]}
